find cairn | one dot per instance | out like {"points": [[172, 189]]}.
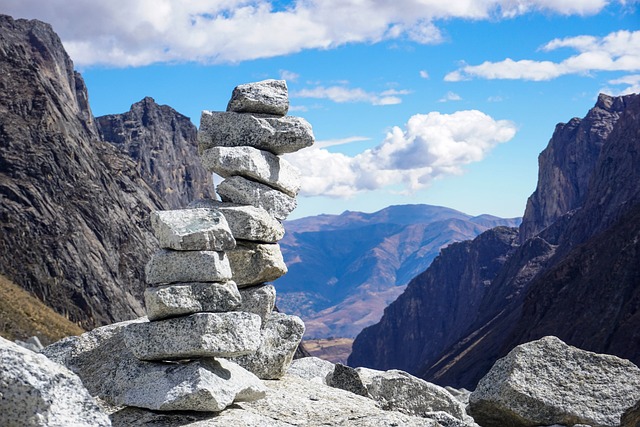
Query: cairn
{"points": [[209, 305]]}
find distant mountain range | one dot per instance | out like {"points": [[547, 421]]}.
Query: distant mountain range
{"points": [[571, 270], [345, 269]]}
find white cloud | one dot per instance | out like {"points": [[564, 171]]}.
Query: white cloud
{"points": [[289, 75], [430, 146], [342, 141], [618, 51], [342, 94], [631, 83], [424, 74], [140, 32], [450, 96]]}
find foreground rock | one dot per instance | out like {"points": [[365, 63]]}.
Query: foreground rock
{"points": [[198, 335], [237, 189], [111, 372], [167, 266], [547, 382], [255, 263], [34, 391], [192, 230], [266, 97], [290, 401], [278, 342], [258, 300], [312, 369]]}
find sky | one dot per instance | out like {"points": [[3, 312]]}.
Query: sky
{"points": [[411, 101]]}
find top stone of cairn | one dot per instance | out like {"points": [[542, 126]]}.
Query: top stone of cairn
{"points": [[265, 97]]}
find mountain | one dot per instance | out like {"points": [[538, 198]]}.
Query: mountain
{"points": [[74, 209], [571, 270], [163, 144], [344, 269]]}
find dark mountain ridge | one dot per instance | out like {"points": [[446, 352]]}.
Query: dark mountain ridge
{"points": [[574, 275]]}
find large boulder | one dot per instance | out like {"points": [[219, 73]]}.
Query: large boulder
{"points": [[547, 382], [198, 335], [168, 266], [237, 189], [278, 135], [246, 222], [260, 300], [280, 337], [265, 97], [35, 391], [254, 164], [254, 263], [192, 230], [188, 298]]}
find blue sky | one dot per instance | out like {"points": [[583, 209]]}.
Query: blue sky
{"points": [[411, 101]]}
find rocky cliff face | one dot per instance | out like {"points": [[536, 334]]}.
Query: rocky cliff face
{"points": [[74, 211], [575, 274], [344, 269], [164, 146]]}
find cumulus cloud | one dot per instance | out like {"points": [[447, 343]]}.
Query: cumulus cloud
{"points": [[343, 94], [618, 51], [140, 32], [630, 83], [430, 146]]}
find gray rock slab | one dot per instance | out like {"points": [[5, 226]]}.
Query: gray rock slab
{"points": [[35, 391], [312, 369], [237, 189], [547, 382], [399, 391], [246, 222], [32, 343], [347, 378], [280, 338], [258, 165], [192, 230], [255, 263], [187, 298], [266, 97], [259, 299], [201, 385], [169, 266], [112, 373], [290, 401], [198, 335], [278, 135]]}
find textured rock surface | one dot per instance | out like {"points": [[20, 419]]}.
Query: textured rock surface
{"points": [[237, 189], [346, 378], [198, 335], [280, 337], [74, 227], [266, 97], [253, 263], [548, 382], [199, 385], [246, 222], [290, 401], [258, 300], [278, 135], [187, 298], [192, 230], [164, 146], [167, 266], [254, 164], [34, 391], [397, 390], [312, 369]]}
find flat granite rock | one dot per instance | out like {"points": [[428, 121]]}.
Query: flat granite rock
{"points": [[278, 135], [255, 263], [198, 335], [254, 164], [187, 298], [192, 230], [280, 338], [200, 385], [312, 369], [35, 391], [237, 189], [259, 299], [169, 266], [266, 97], [548, 382], [246, 222]]}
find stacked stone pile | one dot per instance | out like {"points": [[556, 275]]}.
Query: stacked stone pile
{"points": [[243, 145]]}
